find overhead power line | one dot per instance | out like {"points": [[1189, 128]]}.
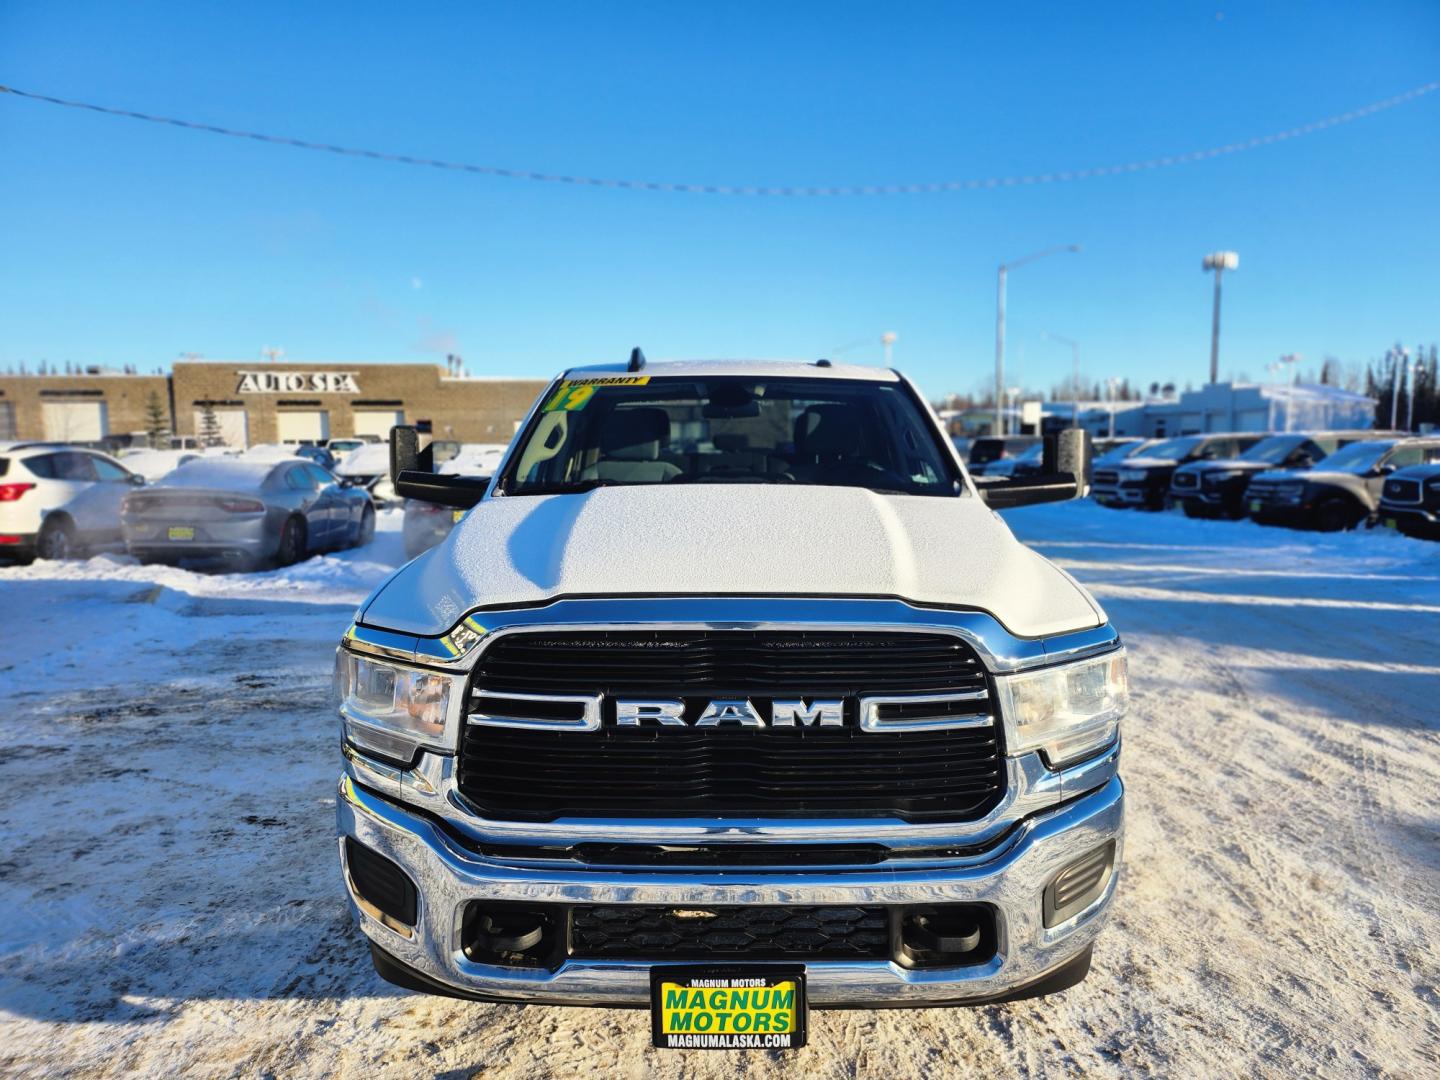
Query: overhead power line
{"points": [[765, 189]]}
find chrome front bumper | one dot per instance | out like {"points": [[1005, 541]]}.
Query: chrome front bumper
{"points": [[449, 876]]}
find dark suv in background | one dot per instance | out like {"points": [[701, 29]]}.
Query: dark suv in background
{"points": [[1144, 480], [1410, 501], [1340, 492], [990, 449], [1217, 488]]}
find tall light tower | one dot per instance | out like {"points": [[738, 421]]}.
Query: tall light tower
{"points": [[1219, 261], [1001, 276], [1074, 376], [888, 339]]}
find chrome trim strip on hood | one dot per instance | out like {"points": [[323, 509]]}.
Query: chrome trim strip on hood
{"points": [[1000, 650]]}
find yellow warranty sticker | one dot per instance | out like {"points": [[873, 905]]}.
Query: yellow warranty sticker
{"points": [[574, 394]]}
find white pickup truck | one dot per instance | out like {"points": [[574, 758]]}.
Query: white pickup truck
{"points": [[732, 679]]}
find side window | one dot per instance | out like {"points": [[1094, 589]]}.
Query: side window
{"points": [[42, 466], [297, 480], [319, 475], [108, 470], [79, 467], [1432, 454]]}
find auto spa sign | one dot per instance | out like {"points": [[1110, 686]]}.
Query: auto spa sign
{"points": [[297, 382]]}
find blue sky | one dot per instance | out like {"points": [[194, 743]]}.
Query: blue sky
{"points": [[132, 243]]}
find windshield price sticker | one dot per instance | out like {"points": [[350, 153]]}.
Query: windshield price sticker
{"points": [[756, 1008], [574, 394]]}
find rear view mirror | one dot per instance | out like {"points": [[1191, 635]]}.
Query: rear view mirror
{"points": [[1066, 475]]}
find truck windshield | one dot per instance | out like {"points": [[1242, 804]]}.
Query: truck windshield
{"points": [[622, 430], [1359, 457], [1273, 450]]}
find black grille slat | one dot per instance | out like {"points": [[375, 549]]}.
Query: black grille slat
{"points": [[725, 771], [728, 661], [792, 932]]}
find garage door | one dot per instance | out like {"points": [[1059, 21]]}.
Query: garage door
{"points": [[377, 422], [233, 424], [74, 421], [311, 426]]}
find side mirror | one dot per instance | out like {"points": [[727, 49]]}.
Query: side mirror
{"points": [[136, 480], [412, 471], [408, 453], [1066, 475]]}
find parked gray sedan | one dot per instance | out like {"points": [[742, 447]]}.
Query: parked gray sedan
{"points": [[247, 513]]}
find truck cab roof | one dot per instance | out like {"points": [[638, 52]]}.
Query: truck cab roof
{"points": [[696, 369]]}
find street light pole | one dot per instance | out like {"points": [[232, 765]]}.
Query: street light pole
{"points": [[888, 340], [1219, 261], [1000, 279], [1074, 376], [1000, 349], [1409, 394]]}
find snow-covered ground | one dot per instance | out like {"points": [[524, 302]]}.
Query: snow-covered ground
{"points": [[171, 901]]}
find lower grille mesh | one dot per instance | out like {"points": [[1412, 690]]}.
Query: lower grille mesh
{"points": [[630, 931]]}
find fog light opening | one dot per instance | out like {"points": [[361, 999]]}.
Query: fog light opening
{"points": [[514, 935], [381, 889], [951, 935], [1079, 885]]}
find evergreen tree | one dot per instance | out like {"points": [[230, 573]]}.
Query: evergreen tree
{"points": [[157, 422], [209, 433]]}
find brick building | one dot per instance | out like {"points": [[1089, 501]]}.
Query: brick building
{"points": [[77, 408], [259, 403]]}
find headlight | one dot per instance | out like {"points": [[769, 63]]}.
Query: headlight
{"points": [[1133, 474], [393, 709], [1434, 485], [1068, 711]]}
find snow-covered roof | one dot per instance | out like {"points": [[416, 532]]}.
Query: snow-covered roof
{"points": [[227, 474], [475, 459], [153, 464], [794, 369], [268, 452], [372, 459]]}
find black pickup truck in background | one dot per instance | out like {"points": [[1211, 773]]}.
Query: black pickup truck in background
{"points": [[1216, 488], [1410, 501], [1342, 491], [1143, 481]]}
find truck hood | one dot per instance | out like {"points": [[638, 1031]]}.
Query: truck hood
{"points": [[1318, 474], [751, 539], [1225, 465], [1146, 463]]}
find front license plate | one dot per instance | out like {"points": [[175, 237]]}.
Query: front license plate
{"points": [[728, 1008], [458, 515], [181, 532], [1254, 506]]}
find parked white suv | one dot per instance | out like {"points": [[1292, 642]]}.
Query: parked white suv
{"points": [[59, 501]]}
